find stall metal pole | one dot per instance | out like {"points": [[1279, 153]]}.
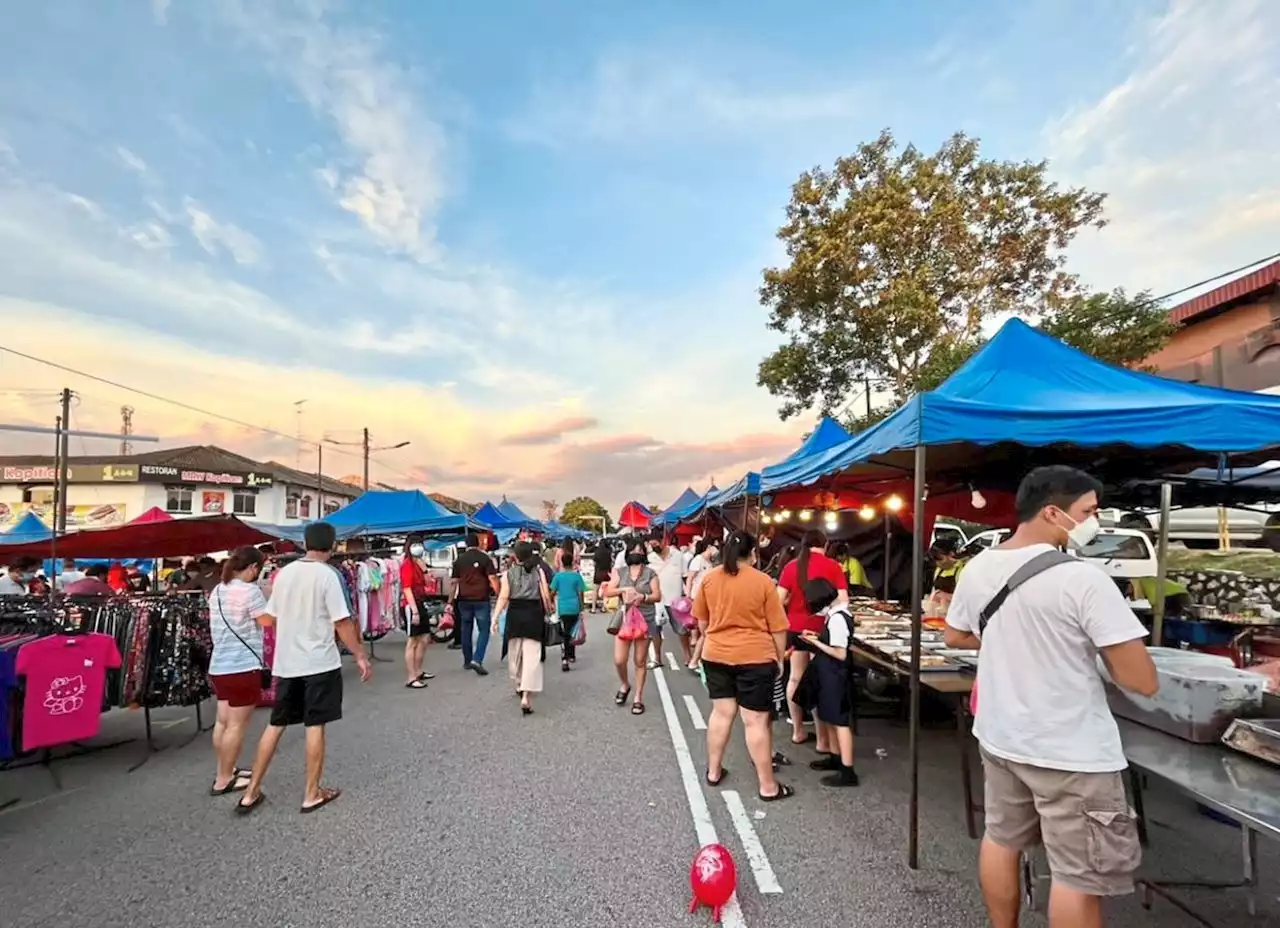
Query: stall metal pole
{"points": [[60, 513], [917, 593], [887, 544], [1162, 565], [53, 540]]}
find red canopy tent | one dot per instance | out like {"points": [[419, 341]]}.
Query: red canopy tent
{"points": [[635, 516], [174, 538], [154, 514]]}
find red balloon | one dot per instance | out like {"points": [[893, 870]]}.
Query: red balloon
{"points": [[713, 877]]}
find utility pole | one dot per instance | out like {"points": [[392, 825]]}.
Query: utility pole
{"points": [[57, 469], [366, 450], [60, 516], [126, 430], [867, 384], [366, 459], [319, 480]]}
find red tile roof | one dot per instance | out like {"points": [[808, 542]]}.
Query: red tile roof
{"points": [[1233, 291]]}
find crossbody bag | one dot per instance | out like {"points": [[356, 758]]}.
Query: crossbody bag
{"points": [[263, 669]]}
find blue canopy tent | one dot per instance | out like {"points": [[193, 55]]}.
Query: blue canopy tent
{"points": [[826, 436], [489, 516], [27, 529], [517, 516], [394, 512], [1026, 399], [687, 506]]}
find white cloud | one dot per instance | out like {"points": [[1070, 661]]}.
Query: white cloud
{"points": [[394, 183], [216, 237], [160, 11], [1187, 146], [631, 96], [132, 161]]}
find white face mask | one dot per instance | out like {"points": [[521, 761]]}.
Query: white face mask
{"points": [[1083, 532], [417, 550]]}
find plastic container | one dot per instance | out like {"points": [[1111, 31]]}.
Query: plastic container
{"points": [[1197, 700]]}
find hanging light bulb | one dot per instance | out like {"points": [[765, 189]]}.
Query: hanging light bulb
{"points": [[976, 499], [867, 513], [806, 515], [766, 519], [832, 520], [784, 515], [894, 503]]}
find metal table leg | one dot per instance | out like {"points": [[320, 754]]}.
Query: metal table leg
{"points": [[966, 774]]}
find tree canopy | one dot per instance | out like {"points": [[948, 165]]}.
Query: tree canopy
{"points": [[898, 259], [576, 511]]}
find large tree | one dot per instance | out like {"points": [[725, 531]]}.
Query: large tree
{"points": [[898, 258], [576, 511]]}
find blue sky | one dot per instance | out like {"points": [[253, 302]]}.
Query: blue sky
{"points": [[527, 237]]}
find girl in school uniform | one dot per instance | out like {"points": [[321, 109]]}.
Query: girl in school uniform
{"points": [[828, 680]]}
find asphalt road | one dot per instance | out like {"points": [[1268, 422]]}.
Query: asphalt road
{"points": [[458, 811]]}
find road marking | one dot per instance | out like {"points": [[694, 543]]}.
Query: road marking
{"points": [[672, 662], [27, 804], [731, 916], [171, 722], [695, 714], [766, 879]]}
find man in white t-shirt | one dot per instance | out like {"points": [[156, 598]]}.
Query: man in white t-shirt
{"points": [[1051, 750], [667, 563], [307, 607]]}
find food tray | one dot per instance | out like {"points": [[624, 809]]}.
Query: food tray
{"points": [[1259, 738], [905, 660]]}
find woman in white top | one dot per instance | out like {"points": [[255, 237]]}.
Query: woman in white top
{"points": [[236, 608]]}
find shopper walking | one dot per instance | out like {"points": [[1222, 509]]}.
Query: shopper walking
{"points": [[413, 592], [236, 666], [636, 584], [526, 599], [570, 591], [602, 563], [475, 580], [743, 647], [668, 564], [1051, 750], [810, 564], [307, 606]]}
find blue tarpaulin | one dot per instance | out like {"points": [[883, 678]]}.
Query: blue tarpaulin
{"points": [[516, 515], [747, 485], [1027, 388], [27, 529], [506, 517], [692, 505], [394, 512]]}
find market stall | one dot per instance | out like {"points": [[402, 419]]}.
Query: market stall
{"points": [[1024, 400]]}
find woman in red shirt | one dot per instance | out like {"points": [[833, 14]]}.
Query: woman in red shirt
{"points": [[811, 564], [413, 587]]}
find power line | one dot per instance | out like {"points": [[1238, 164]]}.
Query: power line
{"points": [[1209, 280], [187, 406]]}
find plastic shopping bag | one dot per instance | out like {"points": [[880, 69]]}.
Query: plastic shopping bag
{"points": [[580, 632], [634, 627]]}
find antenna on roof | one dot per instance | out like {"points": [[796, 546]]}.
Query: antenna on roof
{"points": [[297, 408]]}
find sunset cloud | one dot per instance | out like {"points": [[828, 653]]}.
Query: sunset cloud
{"points": [[552, 432]]}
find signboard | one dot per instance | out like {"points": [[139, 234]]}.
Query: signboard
{"points": [[131, 472], [90, 515], [213, 504]]}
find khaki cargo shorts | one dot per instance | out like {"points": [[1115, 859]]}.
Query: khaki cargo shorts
{"points": [[1083, 819]]}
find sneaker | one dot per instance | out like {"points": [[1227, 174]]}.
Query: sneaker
{"points": [[468, 666], [564, 666], [479, 669], [844, 778], [455, 646]]}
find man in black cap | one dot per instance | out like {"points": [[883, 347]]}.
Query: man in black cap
{"points": [[307, 607]]}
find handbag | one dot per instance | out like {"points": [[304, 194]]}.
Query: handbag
{"points": [[615, 623], [263, 670], [554, 635]]}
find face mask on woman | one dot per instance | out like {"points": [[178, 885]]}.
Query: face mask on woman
{"points": [[417, 550], [636, 558]]}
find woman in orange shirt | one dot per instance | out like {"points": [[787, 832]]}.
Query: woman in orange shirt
{"points": [[744, 645]]}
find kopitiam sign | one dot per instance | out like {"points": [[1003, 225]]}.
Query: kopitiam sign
{"points": [[128, 472]]}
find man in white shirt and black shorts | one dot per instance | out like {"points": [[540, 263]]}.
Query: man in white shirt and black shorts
{"points": [[1051, 749], [308, 607]]}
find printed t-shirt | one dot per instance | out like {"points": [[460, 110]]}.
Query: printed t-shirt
{"points": [[306, 600], [65, 677], [742, 613], [472, 570], [240, 604], [799, 618], [568, 587], [1043, 702]]}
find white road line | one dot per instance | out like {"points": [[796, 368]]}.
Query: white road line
{"points": [[766, 879], [672, 662], [695, 714], [731, 916], [171, 722]]}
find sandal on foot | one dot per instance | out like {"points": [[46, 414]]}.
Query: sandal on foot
{"points": [[724, 772], [244, 808], [637, 708], [426, 676], [808, 736], [784, 792], [620, 697], [416, 684], [781, 760], [238, 783], [326, 796]]}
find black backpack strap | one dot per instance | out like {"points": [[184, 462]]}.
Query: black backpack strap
{"points": [[1037, 565]]}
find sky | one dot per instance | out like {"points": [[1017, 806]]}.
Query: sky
{"points": [[527, 238]]}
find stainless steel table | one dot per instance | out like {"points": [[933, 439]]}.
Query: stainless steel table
{"points": [[1237, 787]]}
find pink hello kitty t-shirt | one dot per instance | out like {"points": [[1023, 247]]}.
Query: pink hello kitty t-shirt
{"points": [[65, 676]]}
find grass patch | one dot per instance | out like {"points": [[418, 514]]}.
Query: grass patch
{"points": [[1262, 564]]}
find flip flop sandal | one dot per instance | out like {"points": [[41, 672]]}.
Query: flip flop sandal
{"points": [[244, 808], [781, 760], [326, 796], [238, 783], [724, 772], [784, 792], [637, 708], [418, 684], [424, 676], [620, 698]]}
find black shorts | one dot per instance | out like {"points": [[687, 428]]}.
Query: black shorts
{"points": [[310, 700], [750, 685], [416, 629]]}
